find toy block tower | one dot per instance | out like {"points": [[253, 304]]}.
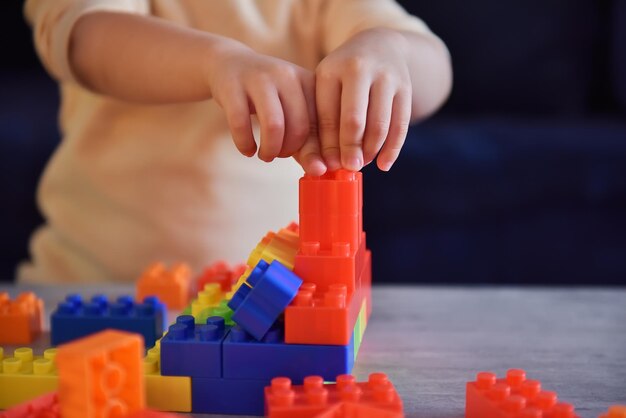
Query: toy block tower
{"points": [[332, 260]]}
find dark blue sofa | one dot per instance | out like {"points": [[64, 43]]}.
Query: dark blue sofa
{"points": [[521, 178]]}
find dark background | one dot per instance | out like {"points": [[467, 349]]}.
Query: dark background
{"points": [[521, 178]]}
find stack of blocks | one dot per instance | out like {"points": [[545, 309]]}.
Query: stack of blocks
{"points": [[300, 307]]}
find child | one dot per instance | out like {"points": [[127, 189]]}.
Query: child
{"points": [[151, 90]]}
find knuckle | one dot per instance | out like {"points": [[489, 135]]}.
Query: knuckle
{"points": [[239, 123], [355, 64], [324, 72], [378, 128], [300, 131], [353, 122], [274, 126], [327, 124], [330, 149]]}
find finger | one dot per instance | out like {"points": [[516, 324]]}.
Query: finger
{"points": [[328, 100], [378, 119], [269, 111], [398, 128], [235, 106], [354, 101], [295, 108], [309, 156]]}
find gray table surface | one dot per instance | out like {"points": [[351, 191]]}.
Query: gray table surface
{"points": [[431, 340]]}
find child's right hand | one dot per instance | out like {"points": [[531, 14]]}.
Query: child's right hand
{"points": [[282, 95]]}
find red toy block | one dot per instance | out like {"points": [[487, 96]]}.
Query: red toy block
{"points": [[616, 411], [101, 375], [375, 398], [326, 317], [20, 319], [330, 209], [222, 273], [512, 397], [172, 287], [332, 242], [46, 406]]}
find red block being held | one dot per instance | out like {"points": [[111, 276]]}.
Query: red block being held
{"points": [[331, 208], [512, 397]]}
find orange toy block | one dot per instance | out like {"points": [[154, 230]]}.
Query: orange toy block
{"points": [[616, 411], [327, 317], [376, 398], [46, 406], [172, 287], [512, 397], [221, 273], [281, 246], [20, 319], [101, 376]]}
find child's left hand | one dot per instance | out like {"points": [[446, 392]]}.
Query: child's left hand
{"points": [[363, 98]]}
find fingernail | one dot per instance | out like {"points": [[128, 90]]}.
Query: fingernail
{"points": [[354, 164], [385, 166], [333, 164]]}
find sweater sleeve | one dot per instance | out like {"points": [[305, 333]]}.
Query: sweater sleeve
{"points": [[53, 20], [343, 18]]}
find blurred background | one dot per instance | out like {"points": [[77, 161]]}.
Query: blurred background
{"points": [[520, 179]]}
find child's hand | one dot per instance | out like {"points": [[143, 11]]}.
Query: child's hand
{"points": [[364, 96], [281, 94]]}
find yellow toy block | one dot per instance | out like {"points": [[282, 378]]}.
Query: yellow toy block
{"points": [[24, 377], [281, 246], [208, 297], [165, 393]]}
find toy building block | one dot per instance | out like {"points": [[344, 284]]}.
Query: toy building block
{"points": [[101, 375], [165, 393], [247, 358], [24, 376], [44, 406], [332, 242], [221, 273], [75, 318], [615, 411], [375, 398], [20, 319], [327, 316], [268, 291], [172, 287], [512, 397], [227, 396], [209, 296], [279, 246], [193, 350]]}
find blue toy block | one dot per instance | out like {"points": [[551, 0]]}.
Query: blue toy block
{"points": [[193, 350], [246, 358], [257, 306], [75, 318], [228, 396]]}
